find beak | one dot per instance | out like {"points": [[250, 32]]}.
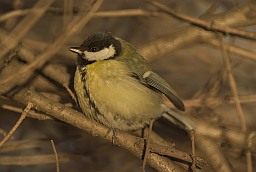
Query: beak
{"points": [[76, 50]]}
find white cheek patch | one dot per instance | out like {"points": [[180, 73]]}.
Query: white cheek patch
{"points": [[103, 54]]}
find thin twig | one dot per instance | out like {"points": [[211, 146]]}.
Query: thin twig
{"points": [[247, 54], [25, 160], [125, 13], [215, 156], [56, 156], [112, 13], [23, 145], [215, 101], [232, 84], [68, 11], [2, 132], [204, 24], [31, 114], [248, 151], [23, 27], [73, 96], [163, 150], [72, 28], [15, 13], [14, 128]]}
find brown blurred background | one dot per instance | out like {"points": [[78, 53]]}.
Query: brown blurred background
{"points": [[188, 69]]}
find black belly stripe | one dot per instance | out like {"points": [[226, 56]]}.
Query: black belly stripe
{"points": [[86, 92]]}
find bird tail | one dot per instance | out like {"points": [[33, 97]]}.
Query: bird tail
{"points": [[176, 118]]}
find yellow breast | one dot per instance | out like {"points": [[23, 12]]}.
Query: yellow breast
{"points": [[113, 90], [120, 99]]}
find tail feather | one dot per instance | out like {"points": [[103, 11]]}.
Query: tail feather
{"points": [[176, 118]]}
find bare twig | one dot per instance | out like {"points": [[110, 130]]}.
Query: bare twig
{"points": [[19, 145], [125, 13], [217, 101], [37, 159], [134, 144], [204, 24], [247, 54], [214, 155], [2, 132], [163, 150], [72, 28], [22, 117], [233, 87], [32, 114], [249, 152], [8, 104], [15, 13], [112, 13], [220, 134], [68, 11], [56, 156], [73, 96], [189, 35], [23, 27]]}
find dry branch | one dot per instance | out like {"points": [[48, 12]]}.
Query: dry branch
{"points": [[190, 35], [212, 26], [214, 155], [134, 144], [232, 84], [14, 128], [23, 27], [241, 16], [36, 159], [56, 156], [72, 28]]}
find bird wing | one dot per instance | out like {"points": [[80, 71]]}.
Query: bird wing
{"points": [[153, 80], [140, 70]]}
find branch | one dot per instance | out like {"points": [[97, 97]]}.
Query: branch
{"points": [[23, 27], [56, 156], [72, 28], [112, 13], [214, 155], [134, 144], [22, 117], [204, 24], [232, 84], [189, 35], [36, 159]]}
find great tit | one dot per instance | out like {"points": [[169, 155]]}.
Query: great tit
{"points": [[116, 87]]}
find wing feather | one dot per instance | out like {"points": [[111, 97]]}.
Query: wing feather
{"points": [[155, 81]]}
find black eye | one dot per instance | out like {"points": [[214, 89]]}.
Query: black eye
{"points": [[94, 49]]}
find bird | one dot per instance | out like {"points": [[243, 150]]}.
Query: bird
{"points": [[116, 87]]}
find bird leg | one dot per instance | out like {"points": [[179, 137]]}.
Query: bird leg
{"points": [[147, 149], [113, 134], [193, 148]]}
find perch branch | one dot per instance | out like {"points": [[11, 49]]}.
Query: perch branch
{"points": [[134, 144]]}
